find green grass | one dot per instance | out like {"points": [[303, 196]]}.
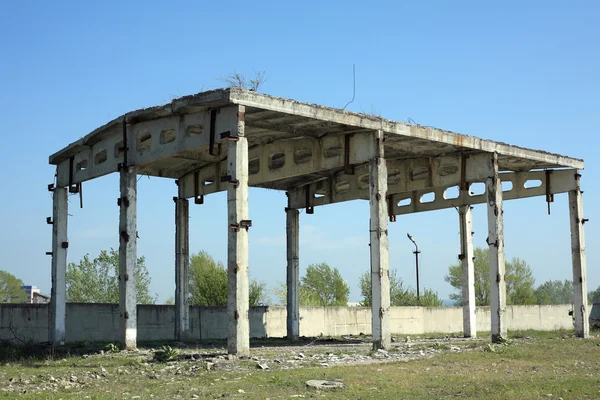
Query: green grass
{"points": [[564, 367]]}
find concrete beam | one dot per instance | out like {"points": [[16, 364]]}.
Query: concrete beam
{"points": [[410, 181], [58, 299], [128, 257], [496, 248], [238, 338], [285, 159], [468, 271], [580, 312], [403, 176], [147, 141], [395, 128], [182, 261], [378, 228], [293, 273]]}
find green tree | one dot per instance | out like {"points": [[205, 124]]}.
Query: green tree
{"points": [[325, 284], [594, 296], [97, 280], [307, 299], [208, 283], [399, 295], [11, 290], [555, 292], [518, 277]]}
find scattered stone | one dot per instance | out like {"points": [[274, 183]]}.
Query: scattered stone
{"points": [[300, 355], [241, 391], [73, 378], [262, 366], [407, 340], [319, 384]]}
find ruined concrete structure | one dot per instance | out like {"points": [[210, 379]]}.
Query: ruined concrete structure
{"points": [[229, 139]]}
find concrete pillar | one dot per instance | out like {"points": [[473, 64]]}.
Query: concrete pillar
{"points": [[182, 262], [580, 307], [128, 257], [293, 273], [380, 280], [58, 299], [238, 335], [496, 247], [468, 271]]}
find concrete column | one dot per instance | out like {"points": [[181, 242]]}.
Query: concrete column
{"points": [[182, 262], [496, 247], [58, 299], [468, 271], [293, 273], [128, 257], [380, 280], [580, 306], [238, 335]]}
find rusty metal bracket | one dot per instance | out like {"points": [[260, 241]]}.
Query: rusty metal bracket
{"points": [[310, 208], [126, 315], [49, 253], [234, 227], [348, 169], [461, 257], [64, 245], [125, 236], [51, 187], [464, 185], [198, 199], [49, 220], [549, 194], [213, 120], [246, 223], [390, 204], [73, 187], [228, 178], [125, 147], [123, 201], [584, 220]]}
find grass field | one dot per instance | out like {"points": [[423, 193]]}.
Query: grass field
{"points": [[531, 366]]}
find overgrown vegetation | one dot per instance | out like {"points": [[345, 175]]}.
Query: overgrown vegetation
{"points": [[399, 294]]}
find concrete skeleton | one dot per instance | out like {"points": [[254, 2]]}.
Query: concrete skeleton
{"points": [[230, 139]]}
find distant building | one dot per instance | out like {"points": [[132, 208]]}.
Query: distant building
{"points": [[34, 296]]}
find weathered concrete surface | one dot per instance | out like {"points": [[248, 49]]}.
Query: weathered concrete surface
{"points": [[238, 341], [59, 266], [100, 322], [182, 260], [468, 271], [293, 273], [582, 327], [128, 257], [380, 279], [495, 241]]}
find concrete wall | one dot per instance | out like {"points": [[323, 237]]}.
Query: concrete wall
{"points": [[100, 322]]}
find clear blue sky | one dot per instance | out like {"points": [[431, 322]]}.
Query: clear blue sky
{"points": [[524, 73]]}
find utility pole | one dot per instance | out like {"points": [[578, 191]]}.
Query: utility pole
{"points": [[416, 253]]}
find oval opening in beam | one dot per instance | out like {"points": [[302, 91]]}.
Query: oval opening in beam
{"points": [[477, 188], [427, 198], [451, 193], [404, 202], [100, 157], [533, 183], [507, 186]]}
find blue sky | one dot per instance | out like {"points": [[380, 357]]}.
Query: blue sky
{"points": [[524, 73]]}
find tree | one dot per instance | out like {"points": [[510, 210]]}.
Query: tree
{"points": [[208, 283], [306, 298], [11, 290], [325, 284], [594, 296], [97, 280], [518, 277], [399, 295], [555, 292]]}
